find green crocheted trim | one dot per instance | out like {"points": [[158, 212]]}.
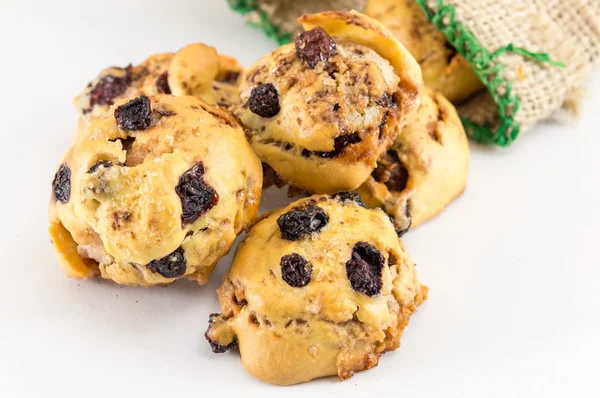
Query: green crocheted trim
{"points": [[488, 70], [484, 64], [246, 7]]}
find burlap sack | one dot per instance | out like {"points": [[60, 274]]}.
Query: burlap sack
{"points": [[532, 55]]}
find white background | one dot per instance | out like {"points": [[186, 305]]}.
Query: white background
{"points": [[513, 265]]}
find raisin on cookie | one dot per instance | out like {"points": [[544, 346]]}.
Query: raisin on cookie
{"points": [[156, 190], [425, 169], [327, 303], [320, 111], [196, 69]]}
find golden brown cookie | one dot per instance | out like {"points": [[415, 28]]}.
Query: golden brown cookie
{"points": [[322, 110], [425, 169], [443, 68], [320, 288], [196, 69], [155, 190]]}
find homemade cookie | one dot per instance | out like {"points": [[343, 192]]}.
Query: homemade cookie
{"points": [[320, 111], [425, 169], [320, 288], [153, 191], [444, 69], [195, 70]]}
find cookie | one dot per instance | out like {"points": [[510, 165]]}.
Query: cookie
{"points": [[320, 288], [444, 69], [320, 111], [196, 69], [155, 190], [425, 169]]}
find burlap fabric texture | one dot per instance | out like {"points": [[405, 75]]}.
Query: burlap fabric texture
{"points": [[533, 56]]}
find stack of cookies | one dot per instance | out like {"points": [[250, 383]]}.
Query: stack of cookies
{"points": [[171, 156]]}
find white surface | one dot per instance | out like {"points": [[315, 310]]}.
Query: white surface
{"points": [[513, 265]]}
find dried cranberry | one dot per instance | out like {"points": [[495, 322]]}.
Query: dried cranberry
{"points": [[298, 223], [351, 196], [314, 46], [216, 347], [339, 143], [109, 87], [196, 196], [103, 163], [364, 269], [295, 270], [170, 266], [135, 114], [61, 184], [162, 83], [264, 100]]}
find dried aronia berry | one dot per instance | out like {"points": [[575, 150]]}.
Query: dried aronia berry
{"points": [[110, 87], [170, 266], [135, 114], [196, 196], [214, 346], [162, 83], [351, 196], [339, 144], [264, 100], [96, 166], [295, 270], [314, 46], [298, 223], [364, 269], [61, 184]]}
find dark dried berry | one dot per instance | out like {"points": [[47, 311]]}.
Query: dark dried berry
{"points": [[103, 163], [229, 77], [264, 100], [364, 269], [392, 260], [298, 223], [196, 196], [162, 83], [314, 46], [135, 114], [391, 172], [339, 143], [295, 270], [216, 347], [170, 266], [398, 178], [61, 184], [386, 100], [110, 87], [351, 196]]}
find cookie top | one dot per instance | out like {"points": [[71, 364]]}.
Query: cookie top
{"points": [[322, 278], [426, 167], [321, 110], [157, 175], [444, 69], [196, 69]]}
